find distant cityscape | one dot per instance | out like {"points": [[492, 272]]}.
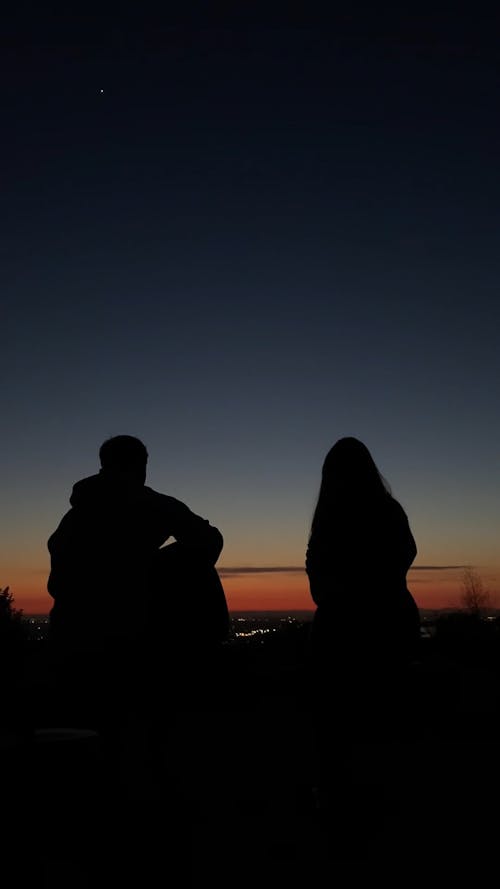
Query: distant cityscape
{"points": [[245, 626], [255, 626]]}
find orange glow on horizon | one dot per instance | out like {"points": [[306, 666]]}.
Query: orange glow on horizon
{"points": [[279, 591], [268, 592]]}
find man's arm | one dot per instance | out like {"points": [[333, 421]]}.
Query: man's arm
{"points": [[191, 530]]}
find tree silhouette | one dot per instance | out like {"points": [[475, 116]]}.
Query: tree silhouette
{"points": [[475, 598], [10, 617], [11, 658]]}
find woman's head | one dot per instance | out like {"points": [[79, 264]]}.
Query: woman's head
{"points": [[349, 464], [349, 474]]}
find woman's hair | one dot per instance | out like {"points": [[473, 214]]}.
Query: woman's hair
{"points": [[349, 473]]}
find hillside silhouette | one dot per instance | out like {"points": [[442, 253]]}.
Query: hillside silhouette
{"points": [[232, 791]]}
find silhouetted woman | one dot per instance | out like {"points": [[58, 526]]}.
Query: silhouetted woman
{"points": [[366, 627]]}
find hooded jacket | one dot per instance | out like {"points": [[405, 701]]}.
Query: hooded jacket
{"points": [[101, 555]]}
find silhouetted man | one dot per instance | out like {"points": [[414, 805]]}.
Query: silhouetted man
{"points": [[110, 576], [123, 606]]}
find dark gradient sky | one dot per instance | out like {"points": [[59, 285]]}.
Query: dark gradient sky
{"points": [[240, 239]]}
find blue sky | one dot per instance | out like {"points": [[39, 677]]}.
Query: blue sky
{"points": [[253, 242]]}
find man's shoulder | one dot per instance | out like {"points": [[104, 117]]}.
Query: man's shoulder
{"points": [[84, 487], [163, 501]]}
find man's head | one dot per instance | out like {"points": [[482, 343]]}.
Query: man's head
{"points": [[124, 453]]}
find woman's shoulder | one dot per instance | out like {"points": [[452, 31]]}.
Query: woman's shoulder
{"points": [[395, 507]]}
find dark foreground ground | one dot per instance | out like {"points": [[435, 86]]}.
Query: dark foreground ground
{"points": [[229, 803]]}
